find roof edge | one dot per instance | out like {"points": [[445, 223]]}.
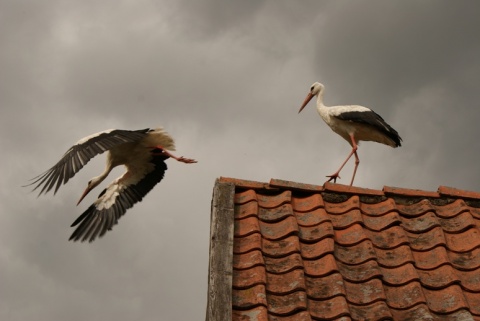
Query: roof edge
{"points": [[275, 183]]}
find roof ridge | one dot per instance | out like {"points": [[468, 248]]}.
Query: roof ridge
{"points": [[275, 184]]}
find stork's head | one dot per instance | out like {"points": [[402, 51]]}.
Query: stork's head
{"points": [[91, 185], [315, 90]]}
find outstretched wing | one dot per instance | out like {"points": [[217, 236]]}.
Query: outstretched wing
{"points": [[114, 201], [81, 153]]}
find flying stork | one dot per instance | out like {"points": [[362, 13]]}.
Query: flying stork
{"points": [[354, 123], [143, 152]]}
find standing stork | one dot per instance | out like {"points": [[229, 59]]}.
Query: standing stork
{"points": [[143, 152], [354, 123]]}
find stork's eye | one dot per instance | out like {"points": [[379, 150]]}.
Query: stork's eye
{"points": [[311, 89]]}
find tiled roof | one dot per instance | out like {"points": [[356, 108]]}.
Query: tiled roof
{"points": [[335, 252]]}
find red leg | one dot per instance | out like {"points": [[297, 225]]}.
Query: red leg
{"points": [[336, 175], [357, 160], [180, 159]]}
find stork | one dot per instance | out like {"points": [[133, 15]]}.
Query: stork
{"points": [[143, 152], [354, 123]]}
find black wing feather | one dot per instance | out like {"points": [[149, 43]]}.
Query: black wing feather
{"points": [[95, 223], [80, 154], [373, 119]]}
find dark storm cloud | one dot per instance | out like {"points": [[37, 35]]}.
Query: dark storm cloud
{"points": [[226, 79]]}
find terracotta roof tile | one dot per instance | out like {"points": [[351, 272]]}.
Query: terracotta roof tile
{"points": [[247, 243], [431, 259], [394, 257], [400, 275], [318, 249], [283, 264], [360, 272], [282, 247], [335, 252]]}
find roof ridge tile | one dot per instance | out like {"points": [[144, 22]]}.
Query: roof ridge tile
{"points": [[408, 192], [295, 186], [456, 192], [340, 188]]}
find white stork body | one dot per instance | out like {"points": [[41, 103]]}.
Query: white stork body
{"points": [[354, 123], [143, 152]]}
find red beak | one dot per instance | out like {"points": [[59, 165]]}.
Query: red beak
{"points": [[305, 102], [87, 190]]}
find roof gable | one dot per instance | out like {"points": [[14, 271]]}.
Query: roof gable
{"points": [[305, 252]]}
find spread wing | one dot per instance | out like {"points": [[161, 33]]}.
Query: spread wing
{"points": [[115, 200], [81, 153]]}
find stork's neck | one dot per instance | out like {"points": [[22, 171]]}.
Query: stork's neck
{"points": [[321, 108], [320, 104], [98, 179]]}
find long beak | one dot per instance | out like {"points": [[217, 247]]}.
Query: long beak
{"points": [[305, 102], [87, 190]]}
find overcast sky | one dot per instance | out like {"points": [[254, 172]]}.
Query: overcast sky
{"points": [[226, 79]]}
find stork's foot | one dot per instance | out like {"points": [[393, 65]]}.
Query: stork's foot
{"points": [[167, 153], [186, 160], [334, 177]]}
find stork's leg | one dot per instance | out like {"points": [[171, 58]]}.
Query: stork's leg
{"points": [[336, 175], [180, 159]]}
